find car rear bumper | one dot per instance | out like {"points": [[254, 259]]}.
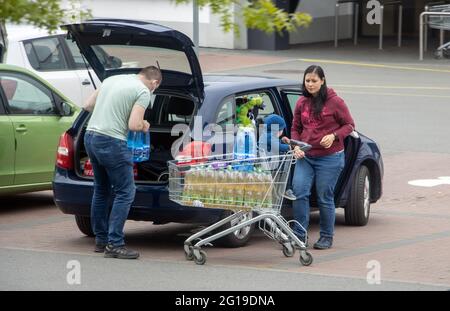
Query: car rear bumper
{"points": [[73, 196]]}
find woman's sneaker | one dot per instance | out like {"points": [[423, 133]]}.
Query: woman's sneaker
{"points": [[120, 252], [289, 194]]}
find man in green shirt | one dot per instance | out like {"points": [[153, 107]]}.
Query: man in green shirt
{"points": [[117, 107]]}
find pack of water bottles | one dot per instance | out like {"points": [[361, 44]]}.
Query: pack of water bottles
{"points": [[139, 144], [227, 183], [229, 188]]}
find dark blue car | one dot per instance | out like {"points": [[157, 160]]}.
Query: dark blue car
{"points": [[188, 98]]}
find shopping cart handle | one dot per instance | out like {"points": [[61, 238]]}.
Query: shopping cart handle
{"points": [[183, 166], [303, 146]]}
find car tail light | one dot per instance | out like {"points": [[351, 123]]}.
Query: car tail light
{"points": [[64, 155]]}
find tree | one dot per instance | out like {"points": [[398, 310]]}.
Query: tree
{"points": [[48, 14], [41, 13], [257, 14]]}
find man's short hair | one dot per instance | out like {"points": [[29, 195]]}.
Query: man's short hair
{"points": [[151, 73]]}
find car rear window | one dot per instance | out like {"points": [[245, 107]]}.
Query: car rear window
{"points": [[133, 56]]}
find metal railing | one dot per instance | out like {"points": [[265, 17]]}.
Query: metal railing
{"points": [[356, 4], [440, 20], [400, 22], [426, 9], [436, 22]]}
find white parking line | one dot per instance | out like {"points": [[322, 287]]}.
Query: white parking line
{"points": [[445, 180]]}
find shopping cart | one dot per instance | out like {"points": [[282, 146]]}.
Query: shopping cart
{"points": [[443, 51], [440, 20], [245, 186]]}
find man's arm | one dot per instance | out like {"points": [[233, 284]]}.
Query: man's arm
{"points": [[90, 102], [136, 121]]}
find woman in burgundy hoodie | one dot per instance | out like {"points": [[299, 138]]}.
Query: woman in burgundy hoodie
{"points": [[321, 119]]}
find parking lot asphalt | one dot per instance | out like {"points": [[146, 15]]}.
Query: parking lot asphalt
{"points": [[408, 235], [403, 104]]}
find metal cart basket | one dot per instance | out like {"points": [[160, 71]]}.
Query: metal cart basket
{"points": [[255, 185]]}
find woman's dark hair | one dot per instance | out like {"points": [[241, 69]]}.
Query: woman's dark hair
{"points": [[318, 101]]}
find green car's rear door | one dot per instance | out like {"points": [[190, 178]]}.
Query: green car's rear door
{"points": [[37, 126]]}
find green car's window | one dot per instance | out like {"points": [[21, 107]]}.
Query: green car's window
{"points": [[26, 96]]}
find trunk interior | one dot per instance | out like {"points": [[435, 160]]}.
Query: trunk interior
{"points": [[167, 110]]}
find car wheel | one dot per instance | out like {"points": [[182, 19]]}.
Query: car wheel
{"points": [[239, 237], [358, 209], [84, 224]]}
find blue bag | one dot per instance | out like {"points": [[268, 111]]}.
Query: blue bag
{"points": [[139, 144]]}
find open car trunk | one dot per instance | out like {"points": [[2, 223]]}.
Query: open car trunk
{"points": [[167, 110]]}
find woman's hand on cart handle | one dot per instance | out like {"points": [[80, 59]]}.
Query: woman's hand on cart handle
{"points": [[285, 140], [300, 144], [298, 153]]}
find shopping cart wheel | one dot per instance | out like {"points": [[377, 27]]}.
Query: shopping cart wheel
{"points": [[189, 254], [201, 259], [288, 251], [438, 54], [305, 258]]}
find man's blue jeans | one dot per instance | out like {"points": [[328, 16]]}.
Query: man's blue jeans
{"points": [[324, 171], [112, 164]]}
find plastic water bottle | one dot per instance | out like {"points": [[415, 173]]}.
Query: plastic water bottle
{"points": [[245, 147], [139, 144], [220, 189], [146, 146], [268, 189], [249, 196], [187, 188], [210, 182], [134, 143], [240, 189]]}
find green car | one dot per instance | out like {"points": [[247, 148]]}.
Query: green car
{"points": [[33, 115]]}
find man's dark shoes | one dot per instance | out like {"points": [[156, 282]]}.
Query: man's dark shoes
{"points": [[324, 243], [120, 252], [99, 248]]}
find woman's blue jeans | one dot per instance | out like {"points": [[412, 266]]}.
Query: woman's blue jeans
{"points": [[324, 172], [112, 164]]}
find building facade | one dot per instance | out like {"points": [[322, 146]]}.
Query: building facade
{"points": [[322, 28]]}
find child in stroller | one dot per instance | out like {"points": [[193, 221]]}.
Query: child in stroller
{"points": [[270, 142]]}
